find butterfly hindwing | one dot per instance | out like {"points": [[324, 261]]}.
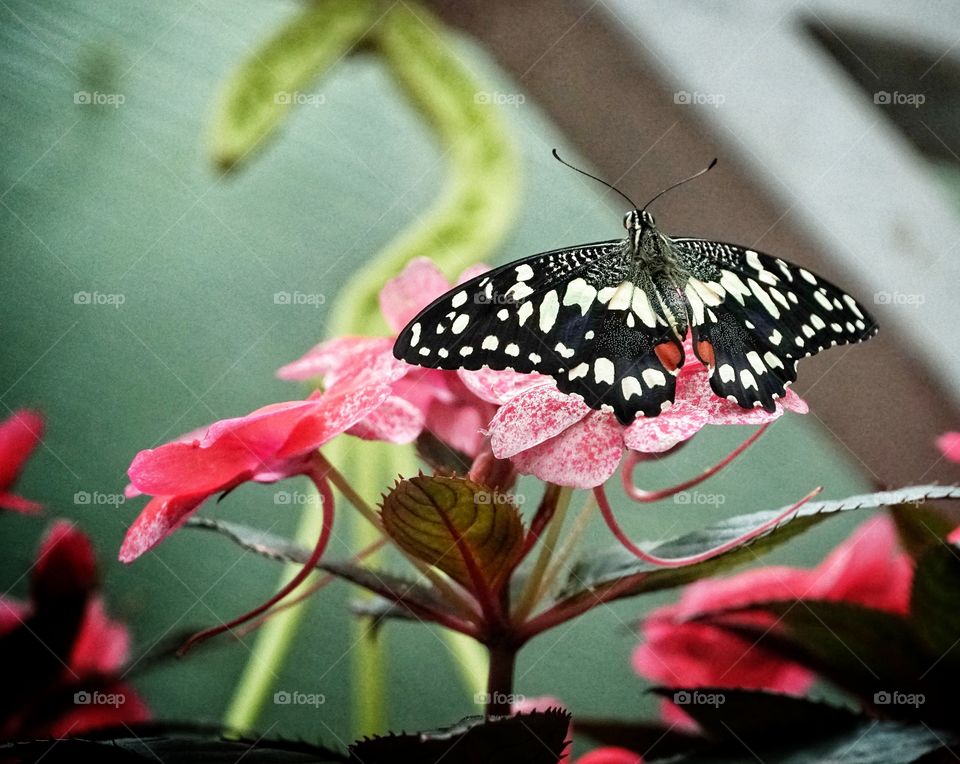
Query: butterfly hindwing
{"points": [[753, 316], [571, 314]]}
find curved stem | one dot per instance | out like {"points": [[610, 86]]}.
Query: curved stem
{"points": [[679, 562], [638, 494], [326, 506], [325, 580], [531, 591], [452, 597]]}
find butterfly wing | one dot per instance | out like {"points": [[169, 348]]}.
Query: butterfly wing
{"points": [[571, 314], [754, 316]]}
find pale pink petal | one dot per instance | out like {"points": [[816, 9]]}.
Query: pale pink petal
{"points": [[394, 421], [498, 387], [339, 408], [19, 504], [472, 271], [531, 418], [584, 455], [161, 517], [949, 445], [405, 295], [460, 426], [329, 358], [793, 402], [654, 435]]}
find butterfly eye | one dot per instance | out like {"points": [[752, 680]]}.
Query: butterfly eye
{"points": [[648, 221], [628, 220]]}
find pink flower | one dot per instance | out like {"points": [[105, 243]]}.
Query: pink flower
{"points": [[868, 568], [558, 438], [64, 644], [610, 755], [420, 399], [949, 445], [270, 444], [19, 435]]}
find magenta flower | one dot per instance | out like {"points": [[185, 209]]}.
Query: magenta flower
{"points": [[19, 435], [558, 438], [420, 399], [62, 645], [270, 444], [949, 445], [610, 755], [868, 568]]}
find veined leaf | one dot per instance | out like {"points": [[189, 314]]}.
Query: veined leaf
{"points": [[935, 603], [632, 576], [470, 532]]}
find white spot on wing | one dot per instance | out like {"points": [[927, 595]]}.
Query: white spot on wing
{"points": [[654, 378], [524, 272], [579, 292], [603, 370], [630, 387], [460, 324], [490, 343], [548, 310], [512, 349], [578, 371], [727, 372], [414, 334], [747, 379]]}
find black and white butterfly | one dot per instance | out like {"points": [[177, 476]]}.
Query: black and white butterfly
{"points": [[607, 320]]}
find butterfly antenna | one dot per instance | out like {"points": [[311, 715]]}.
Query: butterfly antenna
{"points": [[704, 171], [594, 177]]}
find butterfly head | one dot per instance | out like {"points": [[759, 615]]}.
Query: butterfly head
{"points": [[638, 220]]}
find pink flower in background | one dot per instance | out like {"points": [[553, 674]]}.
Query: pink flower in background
{"points": [[270, 444], [420, 399], [868, 568], [19, 435], [558, 438], [62, 647], [610, 755], [949, 445]]}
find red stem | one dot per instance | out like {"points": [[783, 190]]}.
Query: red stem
{"points": [[325, 580], [679, 562], [326, 505], [638, 494]]}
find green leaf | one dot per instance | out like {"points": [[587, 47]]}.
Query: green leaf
{"points": [[261, 91], [470, 532], [633, 576], [535, 738], [921, 526], [935, 603]]}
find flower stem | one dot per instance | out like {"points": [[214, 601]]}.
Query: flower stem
{"points": [[638, 494], [531, 592], [693, 559], [306, 570], [503, 659]]}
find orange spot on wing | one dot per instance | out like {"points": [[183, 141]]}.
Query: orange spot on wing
{"points": [[670, 355], [705, 353]]}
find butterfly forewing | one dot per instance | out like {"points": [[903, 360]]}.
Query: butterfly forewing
{"points": [[753, 316], [572, 314]]}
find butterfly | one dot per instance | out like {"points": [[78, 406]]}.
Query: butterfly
{"points": [[607, 320]]}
